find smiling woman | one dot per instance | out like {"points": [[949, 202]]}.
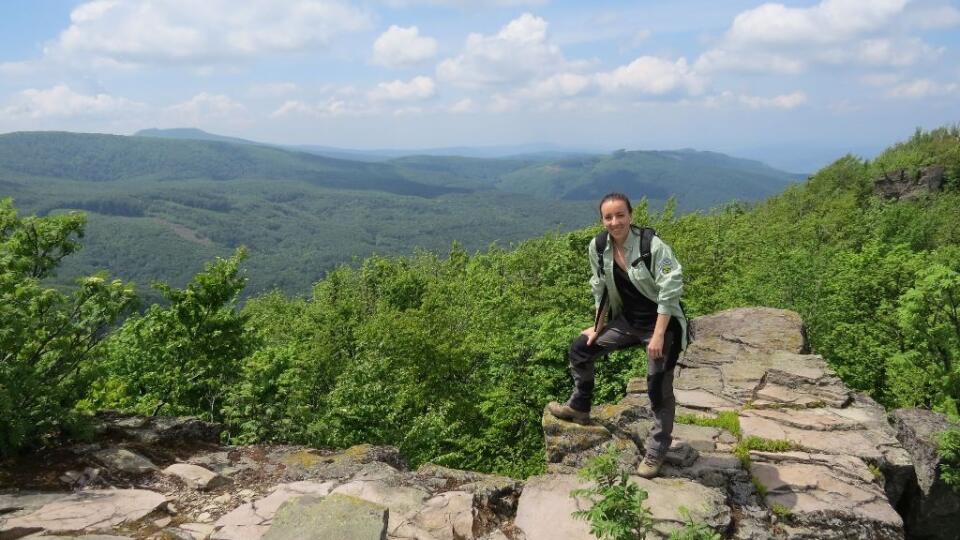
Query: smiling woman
{"points": [[636, 281]]}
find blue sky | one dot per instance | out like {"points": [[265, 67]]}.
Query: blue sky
{"points": [[793, 82]]}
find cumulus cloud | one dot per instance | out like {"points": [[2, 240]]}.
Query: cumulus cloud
{"points": [[417, 88], [465, 105], [934, 17], [62, 101], [518, 53], [466, 3], [202, 33], [205, 106], [780, 39], [652, 76], [561, 85], [923, 88], [402, 47], [331, 107], [784, 101]]}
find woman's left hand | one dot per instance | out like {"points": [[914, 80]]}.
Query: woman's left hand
{"points": [[655, 348]]}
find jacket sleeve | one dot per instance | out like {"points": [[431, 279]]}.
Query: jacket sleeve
{"points": [[668, 275], [596, 283]]}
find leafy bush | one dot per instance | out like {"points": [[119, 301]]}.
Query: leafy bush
{"points": [[48, 339], [617, 512], [949, 448], [693, 530]]}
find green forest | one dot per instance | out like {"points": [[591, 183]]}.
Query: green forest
{"points": [[451, 357], [157, 209]]}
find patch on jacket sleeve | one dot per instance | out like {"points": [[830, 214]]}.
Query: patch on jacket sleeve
{"points": [[665, 266]]}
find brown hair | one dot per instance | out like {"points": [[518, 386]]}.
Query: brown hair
{"points": [[615, 196]]}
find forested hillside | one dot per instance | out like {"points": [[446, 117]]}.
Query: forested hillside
{"points": [[158, 207], [452, 357]]}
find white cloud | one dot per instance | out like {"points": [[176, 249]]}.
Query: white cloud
{"points": [[830, 21], [561, 85], [784, 101], [204, 106], [881, 79], [922, 88], [518, 53], [202, 33], [773, 38], [402, 47], [417, 88], [465, 105], [333, 106], [652, 76], [61, 101]]}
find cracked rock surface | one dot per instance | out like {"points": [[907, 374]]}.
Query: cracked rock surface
{"points": [[839, 471]]}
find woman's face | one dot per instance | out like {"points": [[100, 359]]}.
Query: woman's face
{"points": [[616, 218]]}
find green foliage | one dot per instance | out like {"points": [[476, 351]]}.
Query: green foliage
{"points": [[948, 445], [693, 530], [182, 358], [728, 420], [744, 446], [47, 339], [617, 511], [782, 512]]}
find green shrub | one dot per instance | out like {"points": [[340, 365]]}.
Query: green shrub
{"points": [[693, 530], [617, 512], [949, 447]]}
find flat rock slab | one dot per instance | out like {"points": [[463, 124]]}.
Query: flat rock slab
{"points": [[763, 328], [336, 517], [544, 511], [251, 520], [447, 516], [196, 476], [854, 443], [703, 400], [700, 438], [834, 495], [401, 500], [92, 510]]}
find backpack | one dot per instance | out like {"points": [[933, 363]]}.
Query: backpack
{"points": [[646, 235]]}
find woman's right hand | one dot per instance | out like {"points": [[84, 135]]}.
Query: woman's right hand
{"points": [[591, 335]]}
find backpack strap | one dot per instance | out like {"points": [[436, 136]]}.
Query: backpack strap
{"points": [[646, 240], [600, 241]]}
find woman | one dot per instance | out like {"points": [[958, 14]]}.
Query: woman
{"points": [[644, 309]]}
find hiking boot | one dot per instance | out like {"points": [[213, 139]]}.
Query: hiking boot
{"points": [[568, 413], [649, 467]]}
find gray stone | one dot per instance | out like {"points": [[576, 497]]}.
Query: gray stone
{"points": [[196, 476], [545, 506], [447, 516], [250, 521], [401, 500], [336, 517], [907, 185], [756, 327], [931, 509], [124, 461]]}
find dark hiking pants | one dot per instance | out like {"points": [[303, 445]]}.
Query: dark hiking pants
{"points": [[620, 334]]}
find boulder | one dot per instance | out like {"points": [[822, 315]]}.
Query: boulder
{"points": [[124, 461], [250, 521], [386, 489], [161, 430], [336, 517], [545, 508], [196, 476], [755, 328], [447, 516], [907, 185], [930, 508]]}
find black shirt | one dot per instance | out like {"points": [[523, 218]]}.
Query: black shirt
{"points": [[637, 308]]}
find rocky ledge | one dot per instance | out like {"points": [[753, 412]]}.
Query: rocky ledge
{"points": [[769, 444]]}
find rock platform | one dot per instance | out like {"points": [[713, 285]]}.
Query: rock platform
{"points": [[782, 450]]}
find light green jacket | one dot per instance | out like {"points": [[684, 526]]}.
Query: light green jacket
{"points": [[664, 288]]}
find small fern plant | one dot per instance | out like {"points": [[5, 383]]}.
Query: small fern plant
{"points": [[617, 512]]}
